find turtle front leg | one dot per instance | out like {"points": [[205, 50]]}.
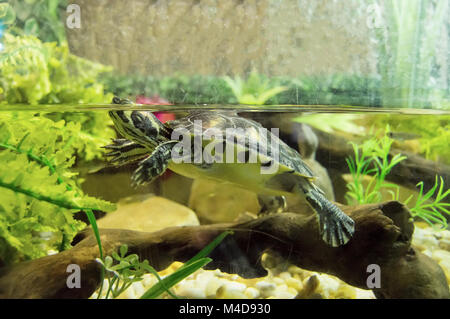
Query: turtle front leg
{"points": [[153, 165], [271, 204], [123, 151]]}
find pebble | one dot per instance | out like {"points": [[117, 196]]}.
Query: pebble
{"points": [[191, 292], [265, 286], [236, 286], [364, 294], [252, 293], [445, 264], [285, 275], [345, 292], [328, 285], [295, 270], [283, 295], [444, 244], [278, 281], [225, 293], [212, 286], [440, 254], [295, 284]]}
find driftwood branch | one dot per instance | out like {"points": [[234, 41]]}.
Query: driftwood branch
{"points": [[383, 235]]}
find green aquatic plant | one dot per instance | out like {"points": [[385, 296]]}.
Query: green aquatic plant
{"points": [[33, 72], [38, 190], [429, 210], [255, 90], [371, 158], [123, 270]]}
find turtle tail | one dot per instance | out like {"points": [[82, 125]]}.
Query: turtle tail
{"points": [[336, 228]]}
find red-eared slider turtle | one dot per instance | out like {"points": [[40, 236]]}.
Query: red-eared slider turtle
{"points": [[276, 170]]}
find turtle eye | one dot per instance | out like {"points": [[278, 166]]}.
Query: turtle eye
{"points": [[118, 100], [138, 119]]}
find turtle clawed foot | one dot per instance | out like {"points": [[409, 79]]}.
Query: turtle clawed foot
{"points": [[336, 230], [271, 204], [140, 177], [146, 173], [151, 167]]}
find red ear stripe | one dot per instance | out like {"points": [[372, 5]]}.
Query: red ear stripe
{"points": [[157, 100]]}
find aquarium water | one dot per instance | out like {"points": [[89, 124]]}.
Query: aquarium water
{"points": [[57, 170]]}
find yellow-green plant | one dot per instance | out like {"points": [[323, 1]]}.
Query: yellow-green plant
{"points": [[255, 90], [123, 270], [38, 190]]}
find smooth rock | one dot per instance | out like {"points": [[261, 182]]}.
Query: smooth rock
{"points": [[219, 202], [285, 275], [212, 286], [138, 288], [152, 214], [444, 244], [284, 294], [265, 286], [252, 293], [225, 293], [440, 254], [236, 286], [295, 284]]}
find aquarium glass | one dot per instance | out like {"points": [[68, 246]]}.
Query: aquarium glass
{"points": [[199, 149]]}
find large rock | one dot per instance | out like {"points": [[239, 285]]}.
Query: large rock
{"points": [[219, 202], [149, 215]]}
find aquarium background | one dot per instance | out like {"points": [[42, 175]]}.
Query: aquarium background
{"points": [[360, 88]]}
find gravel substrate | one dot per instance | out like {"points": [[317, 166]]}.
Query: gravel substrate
{"points": [[286, 282]]}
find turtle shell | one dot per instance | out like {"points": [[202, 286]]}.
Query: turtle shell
{"points": [[256, 137]]}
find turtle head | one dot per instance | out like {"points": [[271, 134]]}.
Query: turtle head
{"points": [[142, 127]]}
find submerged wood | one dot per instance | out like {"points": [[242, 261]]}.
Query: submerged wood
{"points": [[383, 236]]}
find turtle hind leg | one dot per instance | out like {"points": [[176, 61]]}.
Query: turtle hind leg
{"points": [[153, 166], [271, 204], [336, 228]]}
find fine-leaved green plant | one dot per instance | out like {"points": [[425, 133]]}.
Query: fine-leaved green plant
{"points": [[431, 210], [371, 158], [122, 270], [38, 191]]}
